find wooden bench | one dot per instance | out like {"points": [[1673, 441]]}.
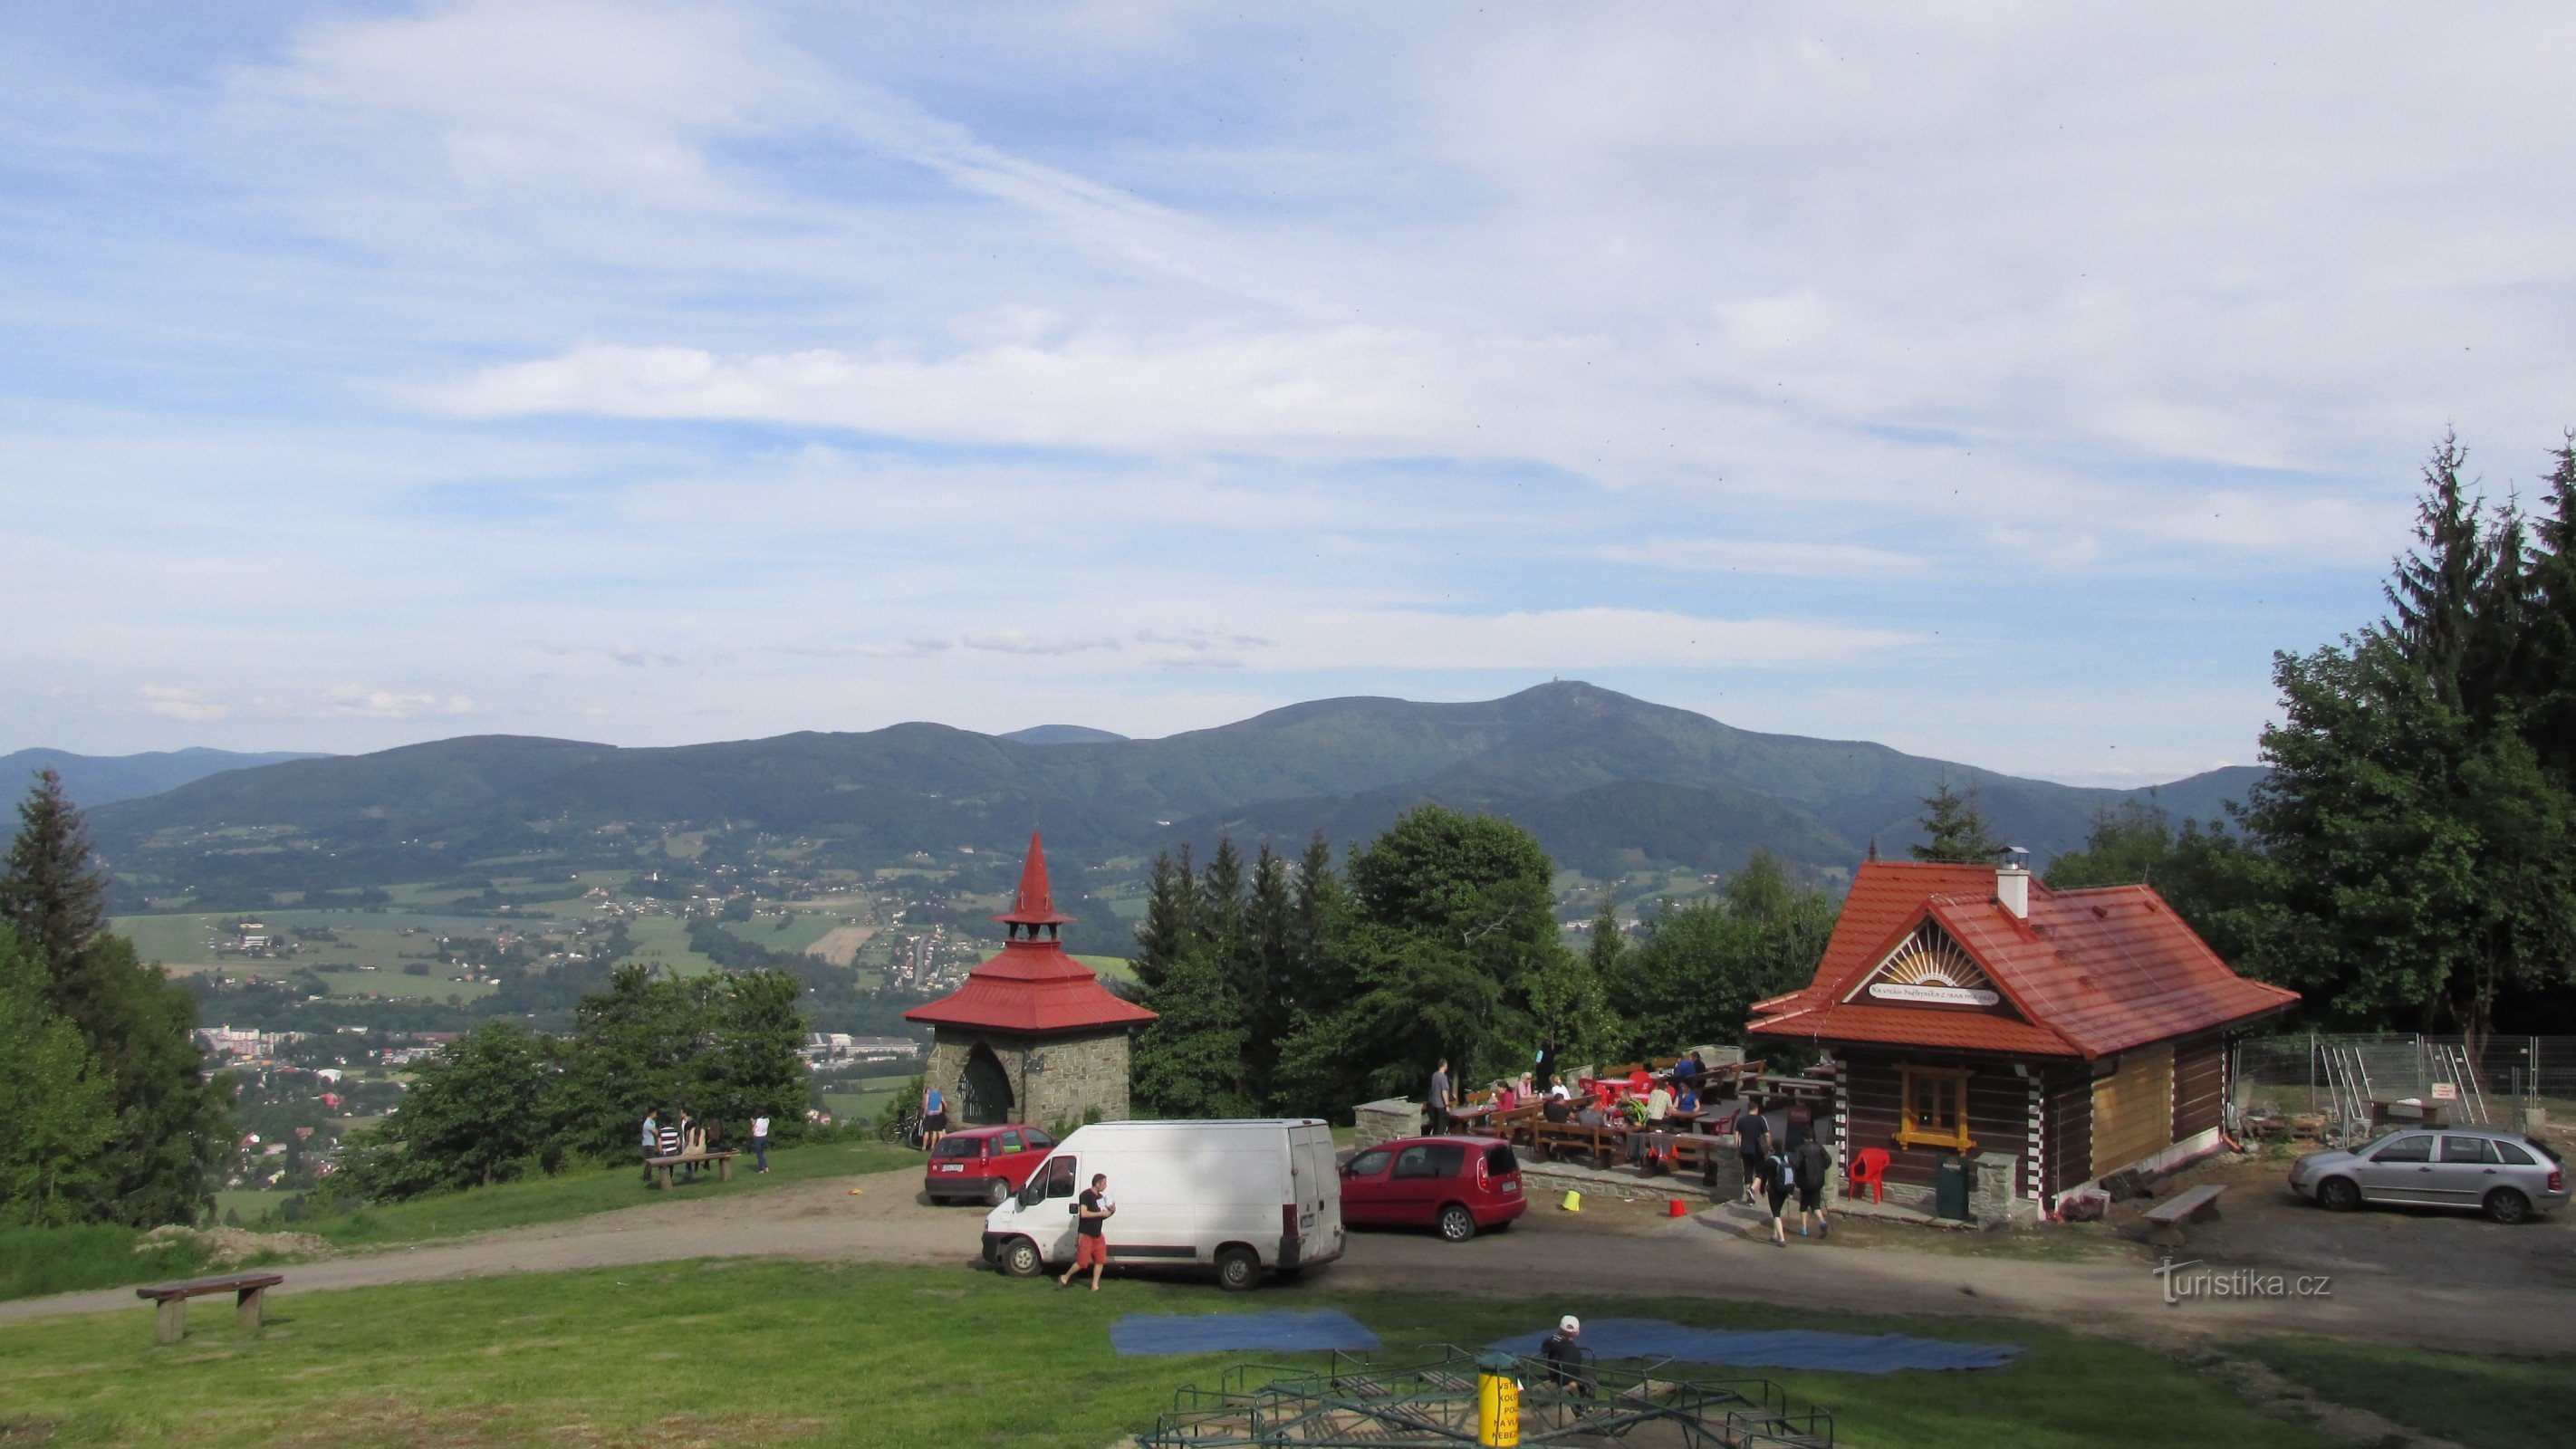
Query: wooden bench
{"points": [[2199, 1204], [664, 1165], [249, 1290], [1600, 1143]]}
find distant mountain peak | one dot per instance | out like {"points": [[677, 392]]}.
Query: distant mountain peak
{"points": [[1061, 734]]}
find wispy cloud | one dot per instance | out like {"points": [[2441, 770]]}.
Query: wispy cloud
{"points": [[661, 369]]}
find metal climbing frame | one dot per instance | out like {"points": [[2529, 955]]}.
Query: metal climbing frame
{"points": [[1363, 1405]]}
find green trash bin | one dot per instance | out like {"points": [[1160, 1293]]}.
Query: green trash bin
{"points": [[1952, 1182]]}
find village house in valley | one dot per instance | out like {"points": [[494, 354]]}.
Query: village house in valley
{"points": [[1032, 1036], [2046, 1037]]}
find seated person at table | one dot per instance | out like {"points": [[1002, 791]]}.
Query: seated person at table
{"points": [[1558, 1109], [1556, 1088], [1505, 1099], [1688, 1101], [1685, 1070], [1659, 1103], [1592, 1116]]}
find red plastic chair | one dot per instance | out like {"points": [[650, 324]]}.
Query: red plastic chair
{"points": [[1869, 1165]]}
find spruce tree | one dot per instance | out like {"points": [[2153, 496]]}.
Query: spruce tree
{"points": [[2435, 593], [2547, 675], [1171, 929], [169, 1122], [1955, 829], [1265, 968], [49, 890], [1607, 941]]}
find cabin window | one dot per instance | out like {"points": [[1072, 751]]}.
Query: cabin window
{"points": [[1935, 1107]]}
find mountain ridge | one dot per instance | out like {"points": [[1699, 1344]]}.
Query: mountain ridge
{"points": [[1607, 781], [107, 779]]}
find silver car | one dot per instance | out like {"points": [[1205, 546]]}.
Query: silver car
{"points": [[2484, 1169]]}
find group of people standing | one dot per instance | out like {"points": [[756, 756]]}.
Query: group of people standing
{"points": [[1782, 1158], [686, 1136]]}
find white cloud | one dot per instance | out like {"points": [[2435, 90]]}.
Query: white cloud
{"points": [[1786, 558], [172, 702], [358, 699], [1014, 641]]}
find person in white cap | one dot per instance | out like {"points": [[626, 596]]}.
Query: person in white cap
{"points": [[1563, 1351]]}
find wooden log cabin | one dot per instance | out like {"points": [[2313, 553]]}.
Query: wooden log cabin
{"points": [[2048, 1038]]}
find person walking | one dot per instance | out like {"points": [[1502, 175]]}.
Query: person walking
{"points": [[1435, 1104], [934, 1118], [760, 1144], [1092, 1211], [1801, 1123], [1811, 1164], [1752, 1145], [1779, 1183], [652, 1142]]}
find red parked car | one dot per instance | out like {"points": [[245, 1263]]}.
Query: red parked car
{"points": [[984, 1164], [1454, 1184]]}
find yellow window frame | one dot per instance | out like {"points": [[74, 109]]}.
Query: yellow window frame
{"points": [[1932, 1107]]}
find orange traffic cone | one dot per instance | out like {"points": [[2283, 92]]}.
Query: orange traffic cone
{"points": [[1676, 1208]]}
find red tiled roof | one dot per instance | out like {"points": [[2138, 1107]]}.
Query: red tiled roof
{"points": [[2091, 972], [1032, 986]]}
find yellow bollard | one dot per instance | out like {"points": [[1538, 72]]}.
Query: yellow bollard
{"points": [[1573, 1201], [1498, 1403]]}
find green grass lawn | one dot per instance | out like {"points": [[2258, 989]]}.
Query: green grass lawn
{"points": [[1116, 968], [763, 1353], [585, 1190], [663, 942], [803, 929], [2483, 1402], [36, 1261]]}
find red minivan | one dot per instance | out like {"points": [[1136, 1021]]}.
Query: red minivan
{"points": [[984, 1164], [1455, 1184]]}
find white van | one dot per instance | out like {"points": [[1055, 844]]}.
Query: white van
{"points": [[1242, 1196]]}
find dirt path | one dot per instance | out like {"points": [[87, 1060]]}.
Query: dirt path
{"points": [[1704, 1256]]}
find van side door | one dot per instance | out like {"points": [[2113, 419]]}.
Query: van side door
{"points": [[1046, 1208]]}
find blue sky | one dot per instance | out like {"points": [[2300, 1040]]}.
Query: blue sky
{"points": [[2002, 382]]}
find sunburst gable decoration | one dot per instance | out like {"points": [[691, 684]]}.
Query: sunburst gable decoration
{"points": [[1929, 968]]}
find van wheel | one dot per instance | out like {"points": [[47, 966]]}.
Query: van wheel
{"points": [[1020, 1259], [1456, 1223], [2338, 1195], [2506, 1206], [998, 1194], [1238, 1269]]}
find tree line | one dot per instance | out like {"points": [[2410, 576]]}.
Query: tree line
{"points": [[2410, 860], [501, 1102], [1298, 986]]}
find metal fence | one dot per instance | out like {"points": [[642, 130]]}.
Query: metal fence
{"points": [[2495, 1081]]}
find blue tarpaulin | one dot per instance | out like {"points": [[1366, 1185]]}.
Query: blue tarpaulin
{"points": [[1163, 1333], [1849, 1353]]}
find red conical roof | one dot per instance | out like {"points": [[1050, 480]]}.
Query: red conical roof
{"points": [[1034, 903], [1032, 986]]}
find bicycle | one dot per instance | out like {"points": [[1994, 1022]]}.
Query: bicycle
{"points": [[903, 1131]]}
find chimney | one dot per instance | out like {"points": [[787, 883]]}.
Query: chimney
{"points": [[2012, 882]]}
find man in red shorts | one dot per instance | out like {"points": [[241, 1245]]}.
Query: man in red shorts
{"points": [[1090, 1247]]}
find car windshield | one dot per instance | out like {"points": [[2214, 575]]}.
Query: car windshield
{"points": [[959, 1147]]}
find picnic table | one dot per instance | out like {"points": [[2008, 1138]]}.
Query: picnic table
{"points": [[170, 1323], [665, 1165]]}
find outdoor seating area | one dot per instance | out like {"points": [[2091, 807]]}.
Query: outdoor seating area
{"points": [[1667, 1116]]}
